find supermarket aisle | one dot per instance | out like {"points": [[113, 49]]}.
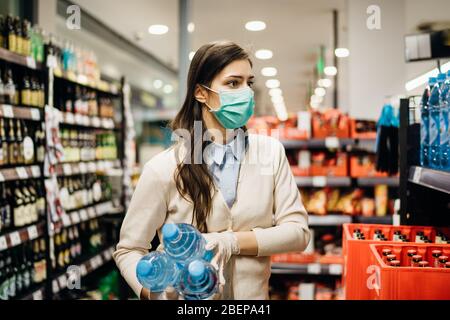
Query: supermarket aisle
{"points": [[83, 109]]}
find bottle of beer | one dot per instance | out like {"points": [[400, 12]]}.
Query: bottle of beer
{"points": [[19, 38], [11, 34]]}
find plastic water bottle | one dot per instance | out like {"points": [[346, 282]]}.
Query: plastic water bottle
{"points": [[425, 124], [444, 124], [435, 112], [199, 280], [183, 242], [156, 271]]}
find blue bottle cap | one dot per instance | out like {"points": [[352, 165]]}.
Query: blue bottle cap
{"points": [[432, 80], [196, 269], [170, 231], [448, 74], [441, 77], [143, 268]]}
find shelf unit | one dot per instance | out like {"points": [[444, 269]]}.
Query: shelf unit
{"points": [[424, 192], [307, 269], [47, 289], [60, 282], [324, 181]]}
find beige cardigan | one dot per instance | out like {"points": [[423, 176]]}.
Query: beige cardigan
{"points": [[267, 202]]}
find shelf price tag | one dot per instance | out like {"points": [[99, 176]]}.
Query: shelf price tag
{"points": [[22, 172], [62, 280], [15, 238], [3, 243], [75, 217], [107, 255], [8, 111], [32, 232], [314, 268], [37, 295], [83, 270], [69, 118], [35, 171], [51, 61], [86, 120], [66, 220], [67, 169], [84, 215], [91, 213], [319, 181], [332, 143], [2, 178], [78, 118], [335, 268], [417, 174], [99, 260], [55, 287], [35, 114], [31, 63]]}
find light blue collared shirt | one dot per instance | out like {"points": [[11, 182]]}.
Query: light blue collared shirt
{"points": [[224, 162]]}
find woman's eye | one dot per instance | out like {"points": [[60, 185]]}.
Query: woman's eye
{"points": [[250, 84], [233, 83]]}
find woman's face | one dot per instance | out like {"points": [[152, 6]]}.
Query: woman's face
{"points": [[237, 75]]}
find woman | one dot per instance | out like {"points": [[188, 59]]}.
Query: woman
{"points": [[236, 188]]}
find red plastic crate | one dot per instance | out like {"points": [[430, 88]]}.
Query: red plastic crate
{"points": [[405, 282], [357, 256]]}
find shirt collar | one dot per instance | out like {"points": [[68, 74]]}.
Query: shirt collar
{"points": [[216, 151]]}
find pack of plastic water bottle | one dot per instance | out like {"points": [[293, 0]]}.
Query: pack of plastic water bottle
{"points": [[184, 264], [435, 128]]}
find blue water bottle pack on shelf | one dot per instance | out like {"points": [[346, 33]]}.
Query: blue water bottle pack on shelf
{"points": [[435, 129], [184, 264]]}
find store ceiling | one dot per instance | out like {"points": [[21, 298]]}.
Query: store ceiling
{"points": [[295, 30]]}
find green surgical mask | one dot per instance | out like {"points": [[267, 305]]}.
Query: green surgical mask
{"points": [[236, 107]]}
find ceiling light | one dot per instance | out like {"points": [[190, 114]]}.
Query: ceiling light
{"points": [[272, 83], [316, 99], [269, 72], [191, 55], [168, 89], [275, 92], [277, 99], [190, 27], [423, 79], [325, 83], [341, 52], [330, 71], [255, 25], [320, 92], [263, 54], [157, 84], [158, 29]]}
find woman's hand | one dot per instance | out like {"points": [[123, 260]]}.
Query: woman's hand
{"points": [[224, 245], [169, 294]]}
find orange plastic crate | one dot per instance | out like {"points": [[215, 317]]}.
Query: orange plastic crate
{"points": [[405, 282], [357, 256]]}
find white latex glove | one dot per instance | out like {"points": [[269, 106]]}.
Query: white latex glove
{"points": [[224, 245]]}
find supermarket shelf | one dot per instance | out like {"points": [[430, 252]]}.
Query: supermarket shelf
{"points": [[13, 57], [68, 169], [373, 181], [91, 212], [20, 112], [60, 282], [388, 219], [101, 86], [433, 179], [307, 269], [22, 235], [323, 181], [329, 143], [37, 294], [85, 121], [20, 173], [328, 220]]}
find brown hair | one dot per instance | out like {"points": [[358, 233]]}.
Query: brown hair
{"points": [[193, 180]]}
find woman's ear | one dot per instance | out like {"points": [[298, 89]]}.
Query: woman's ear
{"points": [[200, 94]]}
